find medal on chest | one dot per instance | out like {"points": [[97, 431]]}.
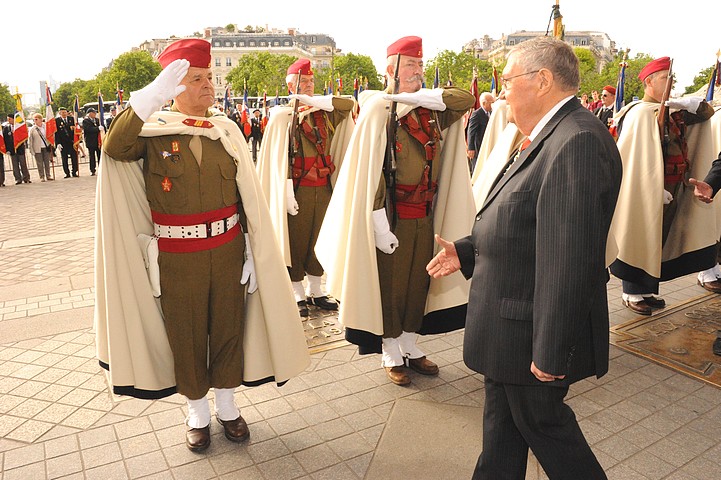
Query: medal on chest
{"points": [[166, 184], [175, 146]]}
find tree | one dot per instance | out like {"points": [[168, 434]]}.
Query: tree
{"points": [[130, 71], [260, 71], [349, 67], [230, 28], [7, 102], [700, 81], [459, 66], [64, 96]]}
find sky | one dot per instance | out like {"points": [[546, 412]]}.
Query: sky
{"points": [[68, 43]]}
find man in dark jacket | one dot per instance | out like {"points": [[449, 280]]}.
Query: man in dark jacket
{"points": [[64, 137], [91, 131]]}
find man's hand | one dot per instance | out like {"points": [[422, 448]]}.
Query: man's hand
{"points": [[543, 376], [385, 240], [470, 154], [667, 197], [248, 274], [446, 261], [166, 86], [291, 204], [702, 190]]}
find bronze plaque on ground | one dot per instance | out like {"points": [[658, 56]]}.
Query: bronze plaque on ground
{"points": [[322, 330], [678, 337]]}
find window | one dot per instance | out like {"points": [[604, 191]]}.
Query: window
{"points": [[217, 80], [312, 39], [286, 43], [217, 62], [276, 43], [228, 62], [228, 44], [241, 44], [262, 44], [251, 44]]}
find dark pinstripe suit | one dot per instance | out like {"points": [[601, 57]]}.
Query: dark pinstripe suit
{"points": [[536, 256]]}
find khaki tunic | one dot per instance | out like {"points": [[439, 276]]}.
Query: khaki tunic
{"points": [[404, 281], [303, 228], [202, 298]]}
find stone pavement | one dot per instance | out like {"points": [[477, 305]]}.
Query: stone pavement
{"points": [[57, 419]]}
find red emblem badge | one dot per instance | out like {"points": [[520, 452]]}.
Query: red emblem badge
{"points": [[175, 146], [167, 184]]}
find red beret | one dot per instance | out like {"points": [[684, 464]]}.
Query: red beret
{"points": [[194, 50], [410, 46], [302, 66], [610, 89], [658, 65]]}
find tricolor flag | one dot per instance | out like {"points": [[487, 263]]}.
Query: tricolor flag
{"points": [[474, 90], [101, 114], [20, 129], [77, 131], [227, 103], [340, 85], [264, 122], [118, 97], [715, 79], [50, 125], [48, 95], [355, 88], [437, 79], [494, 82], [244, 114], [620, 84]]}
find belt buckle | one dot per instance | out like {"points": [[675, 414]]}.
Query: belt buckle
{"points": [[208, 229]]}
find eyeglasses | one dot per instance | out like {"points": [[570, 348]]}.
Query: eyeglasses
{"points": [[504, 81], [604, 95]]}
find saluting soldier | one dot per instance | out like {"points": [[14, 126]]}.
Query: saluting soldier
{"points": [[376, 268], [182, 215], [298, 191], [662, 231]]}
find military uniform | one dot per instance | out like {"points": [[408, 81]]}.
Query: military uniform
{"points": [[186, 178]]}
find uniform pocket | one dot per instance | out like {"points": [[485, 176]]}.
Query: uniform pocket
{"points": [[166, 185], [228, 186], [513, 309]]}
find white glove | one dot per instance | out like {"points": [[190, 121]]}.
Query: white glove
{"points": [[667, 197], [324, 102], [431, 99], [386, 241], [290, 203], [166, 86], [60, 147], [249, 268], [690, 104], [149, 249]]}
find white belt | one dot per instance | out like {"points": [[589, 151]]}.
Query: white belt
{"points": [[201, 230]]}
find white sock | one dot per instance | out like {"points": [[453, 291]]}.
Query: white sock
{"points": [[408, 347], [314, 288], [635, 297], [392, 356], [298, 291], [225, 407], [708, 275], [198, 413]]}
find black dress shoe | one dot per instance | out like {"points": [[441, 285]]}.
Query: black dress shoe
{"points": [[235, 430], [75, 175], [303, 308], [28, 181], [197, 439], [641, 307], [67, 176], [324, 302], [714, 286], [18, 183], [717, 343], [655, 302]]}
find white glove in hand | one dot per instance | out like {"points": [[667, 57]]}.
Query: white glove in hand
{"points": [[667, 197], [386, 241], [290, 203], [249, 268], [166, 86], [690, 104], [324, 102], [149, 249], [431, 99]]}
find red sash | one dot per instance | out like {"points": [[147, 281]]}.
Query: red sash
{"points": [[187, 245]]}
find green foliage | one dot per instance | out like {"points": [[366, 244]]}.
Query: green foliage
{"points": [[230, 28], [64, 96], [259, 71], [7, 102], [349, 67], [460, 67], [130, 71], [700, 81]]}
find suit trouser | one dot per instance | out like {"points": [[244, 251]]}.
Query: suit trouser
{"points": [[20, 167], [42, 160], [69, 150], [204, 313], [303, 230], [94, 153], [517, 417]]}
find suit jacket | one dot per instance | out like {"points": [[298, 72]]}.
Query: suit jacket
{"points": [[536, 257], [9, 139], [603, 115], [91, 129], [64, 134], [476, 128], [255, 130]]}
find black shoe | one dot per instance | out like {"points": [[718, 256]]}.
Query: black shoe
{"points": [[18, 183], [28, 181], [75, 175], [324, 302], [92, 174], [655, 302], [717, 343], [303, 308], [67, 176]]}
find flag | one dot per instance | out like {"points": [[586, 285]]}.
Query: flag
{"points": [[20, 129], [118, 97], [227, 103], [264, 122], [559, 31], [244, 114], [437, 79], [474, 90], [355, 88], [620, 84], [340, 86], [48, 95], [101, 114], [715, 79], [325, 88], [449, 83], [50, 125], [494, 82], [78, 130]]}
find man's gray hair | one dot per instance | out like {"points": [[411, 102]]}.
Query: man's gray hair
{"points": [[552, 54]]}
